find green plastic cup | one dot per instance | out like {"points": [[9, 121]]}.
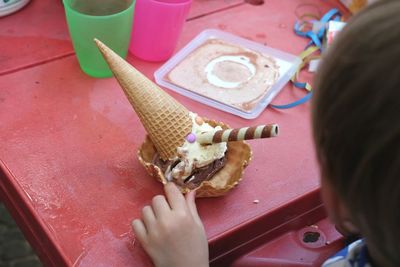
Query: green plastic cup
{"points": [[110, 21]]}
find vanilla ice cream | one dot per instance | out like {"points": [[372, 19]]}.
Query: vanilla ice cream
{"points": [[193, 155]]}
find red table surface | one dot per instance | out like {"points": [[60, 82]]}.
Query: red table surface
{"points": [[70, 175]]}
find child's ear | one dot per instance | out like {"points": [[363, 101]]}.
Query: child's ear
{"points": [[345, 225], [337, 211]]}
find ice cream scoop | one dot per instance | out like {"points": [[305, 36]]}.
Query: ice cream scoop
{"points": [[192, 155]]}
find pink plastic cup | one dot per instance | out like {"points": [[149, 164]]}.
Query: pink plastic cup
{"points": [[157, 26]]}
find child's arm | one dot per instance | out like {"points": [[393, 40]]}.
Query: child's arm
{"points": [[171, 231]]}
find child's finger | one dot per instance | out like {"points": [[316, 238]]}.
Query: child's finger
{"points": [[174, 196], [190, 200], [148, 217], [160, 206], [139, 229]]}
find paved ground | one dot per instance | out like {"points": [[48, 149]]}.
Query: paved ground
{"points": [[14, 249]]}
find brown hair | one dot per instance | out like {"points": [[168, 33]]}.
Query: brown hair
{"points": [[356, 123]]}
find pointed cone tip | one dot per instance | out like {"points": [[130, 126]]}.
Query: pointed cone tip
{"points": [[100, 45], [97, 41]]}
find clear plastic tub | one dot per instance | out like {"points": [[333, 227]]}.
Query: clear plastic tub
{"points": [[221, 70]]}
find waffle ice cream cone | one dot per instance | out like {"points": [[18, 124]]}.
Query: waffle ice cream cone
{"points": [[166, 121]]}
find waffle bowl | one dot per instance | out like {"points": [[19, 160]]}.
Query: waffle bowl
{"points": [[238, 157]]}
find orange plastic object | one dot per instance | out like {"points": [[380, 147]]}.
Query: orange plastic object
{"points": [[70, 176]]}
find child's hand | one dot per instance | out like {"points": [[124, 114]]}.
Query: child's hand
{"points": [[172, 232]]}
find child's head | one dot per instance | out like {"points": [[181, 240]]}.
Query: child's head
{"points": [[356, 122]]}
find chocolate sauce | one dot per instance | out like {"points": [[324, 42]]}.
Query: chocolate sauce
{"points": [[199, 174]]}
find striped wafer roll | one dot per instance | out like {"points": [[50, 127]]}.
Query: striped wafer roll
{"points": [[246, 133]]}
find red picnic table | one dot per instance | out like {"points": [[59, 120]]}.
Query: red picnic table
{"points": [[69, 172]]}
